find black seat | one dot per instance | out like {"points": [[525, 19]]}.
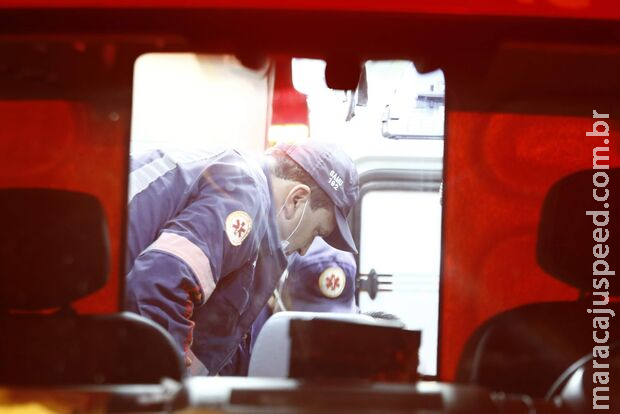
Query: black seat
{"points": [[524, 350], [54, 250], [575, 389]]}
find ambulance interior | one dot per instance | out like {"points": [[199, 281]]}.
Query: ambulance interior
{"points": [[393, 134], [475, 173]]}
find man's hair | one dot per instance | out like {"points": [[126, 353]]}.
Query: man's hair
{"points": [[284, 167]]}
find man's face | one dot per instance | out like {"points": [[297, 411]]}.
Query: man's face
{"points": [[299, 224], [320, 222]]}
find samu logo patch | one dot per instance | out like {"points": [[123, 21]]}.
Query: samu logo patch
{"points": [[331, 282], [238, 226]]}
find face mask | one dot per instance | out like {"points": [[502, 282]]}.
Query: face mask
{"points": [[285, 243]]}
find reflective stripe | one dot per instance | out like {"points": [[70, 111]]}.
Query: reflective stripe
{"points": [[145, 175], [192, 255], [140, 178]]}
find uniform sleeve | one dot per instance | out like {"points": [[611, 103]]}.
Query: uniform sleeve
{"points": [[222, 219], [161, 288], [213, 235]]}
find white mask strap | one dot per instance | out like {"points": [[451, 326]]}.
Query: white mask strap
{"points": [[285, 243], [300, 220]]}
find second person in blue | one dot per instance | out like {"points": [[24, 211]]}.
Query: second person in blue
{"points": [[208, 233], [322, 280]]}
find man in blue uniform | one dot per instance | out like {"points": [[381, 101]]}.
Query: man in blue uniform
{"points": [[207, 233]]}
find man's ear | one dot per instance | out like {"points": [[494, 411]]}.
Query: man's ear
{"points": [[297, 195], [300, 194]]}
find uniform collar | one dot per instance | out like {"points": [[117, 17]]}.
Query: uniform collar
{"points": [[273, 238]]}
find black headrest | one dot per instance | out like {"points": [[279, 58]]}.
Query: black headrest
{"points": [[56, 350], [566, 233], [53, 247]]}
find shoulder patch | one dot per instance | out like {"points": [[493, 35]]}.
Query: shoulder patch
{"points": [[332, 281], [238, 226]]}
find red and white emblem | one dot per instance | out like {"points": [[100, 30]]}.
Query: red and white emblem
{"points": [[238, 226], [332, 281]]}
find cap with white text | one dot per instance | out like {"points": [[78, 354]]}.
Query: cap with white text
{"points": [[334, 171]]}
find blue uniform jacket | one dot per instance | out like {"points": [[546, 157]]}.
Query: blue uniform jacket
{"points": [[203, 253]]}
